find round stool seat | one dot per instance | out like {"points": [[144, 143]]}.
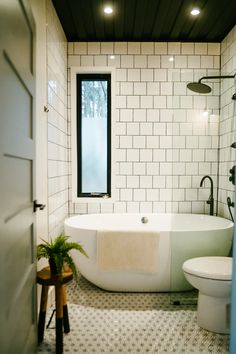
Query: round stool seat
{"points": [[44, 277], [216, 268]]}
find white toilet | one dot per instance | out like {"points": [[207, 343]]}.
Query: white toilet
{"points": [[212, 276]]}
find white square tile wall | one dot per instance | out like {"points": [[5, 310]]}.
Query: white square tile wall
{"points": [[58, 166], [164, 144]]}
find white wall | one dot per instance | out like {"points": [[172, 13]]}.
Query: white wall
{"points": [[52, 168], [58, 168], [228, 121], [164, 146], [39, 12]]}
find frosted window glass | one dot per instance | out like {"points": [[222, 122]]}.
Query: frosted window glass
{"points": [[94, 136]]}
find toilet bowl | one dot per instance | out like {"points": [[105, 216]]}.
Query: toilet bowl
{"points": [[212, 276]]}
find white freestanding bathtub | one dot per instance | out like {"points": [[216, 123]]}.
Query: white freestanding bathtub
{"points": [[182, 236]]}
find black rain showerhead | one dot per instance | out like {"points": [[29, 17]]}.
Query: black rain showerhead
{"points": [[199, 87]]}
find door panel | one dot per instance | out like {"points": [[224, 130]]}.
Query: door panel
{"points": [[17, 220], [20, 242], [15, 87], [17, 193], [23, 328], [19, 22]]}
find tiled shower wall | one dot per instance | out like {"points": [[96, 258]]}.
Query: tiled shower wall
{"points": [[164, 144], [228, 121], [58, 168]]}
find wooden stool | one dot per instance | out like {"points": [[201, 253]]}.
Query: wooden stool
{"points": [[45, 279]]}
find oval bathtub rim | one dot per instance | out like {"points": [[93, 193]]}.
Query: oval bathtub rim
{"points": [[69, 221]]}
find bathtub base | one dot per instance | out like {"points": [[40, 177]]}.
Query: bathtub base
{"points": [[121, 282]]}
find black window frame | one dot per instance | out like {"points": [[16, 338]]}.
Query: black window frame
{"points": [[92, 77]]}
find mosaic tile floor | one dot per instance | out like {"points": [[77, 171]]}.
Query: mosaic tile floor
{"points": [[108, 322]]}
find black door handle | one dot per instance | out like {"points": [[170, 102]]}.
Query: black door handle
{"points": [[38, 206]]}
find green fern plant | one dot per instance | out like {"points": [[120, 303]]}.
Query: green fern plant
{"points": [[57, 251]]}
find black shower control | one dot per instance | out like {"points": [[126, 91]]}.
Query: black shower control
{"points": [[232, 174]]}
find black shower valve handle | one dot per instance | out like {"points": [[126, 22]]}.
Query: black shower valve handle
{"points": [[232, 173]]}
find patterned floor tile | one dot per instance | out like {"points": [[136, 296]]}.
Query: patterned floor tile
{"points": [[110, 322]]}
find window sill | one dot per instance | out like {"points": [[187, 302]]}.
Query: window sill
{"points": [[93, 200]]}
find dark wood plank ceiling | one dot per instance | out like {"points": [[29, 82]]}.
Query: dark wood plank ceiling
{"points": [[146, 20]]}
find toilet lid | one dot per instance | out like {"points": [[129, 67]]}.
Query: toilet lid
{"points": [[217, 268]]}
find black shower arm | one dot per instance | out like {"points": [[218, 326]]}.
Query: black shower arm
{"points": [[216, 77]]}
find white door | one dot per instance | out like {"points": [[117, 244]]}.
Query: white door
{"points": [[18, 320]]}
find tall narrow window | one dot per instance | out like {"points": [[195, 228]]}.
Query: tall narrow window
{"points": [[94, 135]]}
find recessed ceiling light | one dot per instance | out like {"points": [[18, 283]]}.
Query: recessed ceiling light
{"points": [[112, 57], [108, 10], [195, 11], [171, 58]]}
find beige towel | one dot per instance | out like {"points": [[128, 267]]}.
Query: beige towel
{"points": [[127, 251]]}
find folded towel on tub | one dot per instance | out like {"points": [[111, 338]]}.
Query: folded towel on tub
{"points": [[127, 250]]}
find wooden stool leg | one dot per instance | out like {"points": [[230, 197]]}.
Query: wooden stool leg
{"points": [[42, 313], [59, 318], [65, 312]]}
